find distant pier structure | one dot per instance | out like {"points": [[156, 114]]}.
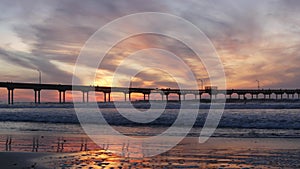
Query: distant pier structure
{"points": [[198, 93]]}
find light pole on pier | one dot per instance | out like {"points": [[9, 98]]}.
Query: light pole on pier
{"points": [[257, 84], [130, 83], [201, 83], [40, 76]]}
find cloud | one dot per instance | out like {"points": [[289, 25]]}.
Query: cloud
{"points": [[23, 60], [253, 38]]}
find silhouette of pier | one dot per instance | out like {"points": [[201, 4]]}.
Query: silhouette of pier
{"points": [[228, 93]]}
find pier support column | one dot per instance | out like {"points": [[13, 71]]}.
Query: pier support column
{"points": [[8, 96], [35, 95], [179, 96], [167, 97], [39, 97], [59, 96], [109, 97], [87, 97], [83, 96], [64, 96], [144, 96], [12, 96], [129, 97], [125, 99], [104, 97]]}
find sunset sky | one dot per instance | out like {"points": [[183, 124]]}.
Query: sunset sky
{"points": [[255, 39]]}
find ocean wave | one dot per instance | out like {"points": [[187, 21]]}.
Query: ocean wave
{"points": [[231, 118]]}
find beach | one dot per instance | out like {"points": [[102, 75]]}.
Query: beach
{"points": [[50, 136]]}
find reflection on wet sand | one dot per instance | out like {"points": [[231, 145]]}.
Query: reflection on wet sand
{"points": [[60, 144], [38, 143], [84, 144], [35, 144], [78, 151], [8, 143], [178, 159]]}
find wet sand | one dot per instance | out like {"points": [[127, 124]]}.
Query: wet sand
{"points": [[77, 151], [20, 160]]}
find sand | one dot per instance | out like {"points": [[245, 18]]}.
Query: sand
{"points": [[216, 153], [19, 160]]}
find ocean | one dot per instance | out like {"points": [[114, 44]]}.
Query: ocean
{"points": [[235, 121]]}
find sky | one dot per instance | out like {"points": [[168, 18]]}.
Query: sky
{"points": [[255, 40]]}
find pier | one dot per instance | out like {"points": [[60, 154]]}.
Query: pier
{"points": [[198, 93]]}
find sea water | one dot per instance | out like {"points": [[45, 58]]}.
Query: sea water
{"points": [[235, 122]]}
